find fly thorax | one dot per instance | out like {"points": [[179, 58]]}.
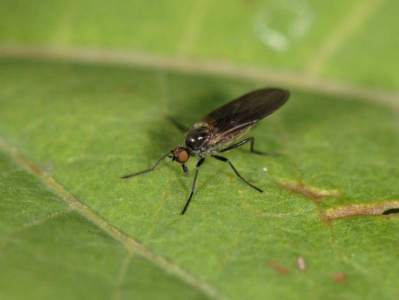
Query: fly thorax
{"points": [[197, 139]]}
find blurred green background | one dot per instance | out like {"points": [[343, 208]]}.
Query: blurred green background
{"points": [[85, 88], [352, 41]]}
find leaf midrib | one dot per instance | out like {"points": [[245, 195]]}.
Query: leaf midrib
{"points": [[303, 81]]}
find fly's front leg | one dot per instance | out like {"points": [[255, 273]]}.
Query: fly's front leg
{"points": [[185, 169], [199, 163]]}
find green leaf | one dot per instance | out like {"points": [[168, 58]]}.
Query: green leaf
{"points": [[86, 91], [86, 125], [352, 41], [48, 250]]}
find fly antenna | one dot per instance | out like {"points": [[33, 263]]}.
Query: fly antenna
{"points": [[152, 168]]}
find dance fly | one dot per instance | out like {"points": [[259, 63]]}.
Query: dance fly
{"points": [[222, 130]]}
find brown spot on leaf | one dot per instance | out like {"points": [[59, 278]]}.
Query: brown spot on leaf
{"points": [[339, 277], [352, 210], [125, 89], [388, 208], [279, 268], [311, 192], [301, 264]]}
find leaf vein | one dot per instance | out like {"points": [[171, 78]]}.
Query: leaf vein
{"points": [[198, 67], [127, 241]]}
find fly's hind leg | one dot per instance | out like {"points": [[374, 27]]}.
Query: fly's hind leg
{"points": [[226, 160], [252, 149]]}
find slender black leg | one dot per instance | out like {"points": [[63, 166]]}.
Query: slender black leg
{"points": [[147, 170], [199, 163], [178, 125], [222, 158], [250, 140], [185, 169]]}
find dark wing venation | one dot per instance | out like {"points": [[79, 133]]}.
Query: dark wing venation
{"points": [[246, 110]]}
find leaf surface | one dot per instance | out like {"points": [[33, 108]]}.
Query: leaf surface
{"points": [[71, 125]]}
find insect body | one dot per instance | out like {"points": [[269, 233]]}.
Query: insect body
{"points": [[222, 130]]}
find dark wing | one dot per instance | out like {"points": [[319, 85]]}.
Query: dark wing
{"points": [[245, 111]]}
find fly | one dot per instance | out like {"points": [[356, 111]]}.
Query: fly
{"points": [[222, 130]]}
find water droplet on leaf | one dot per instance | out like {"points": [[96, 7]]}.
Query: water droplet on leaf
{"points": [[282, 23]]}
